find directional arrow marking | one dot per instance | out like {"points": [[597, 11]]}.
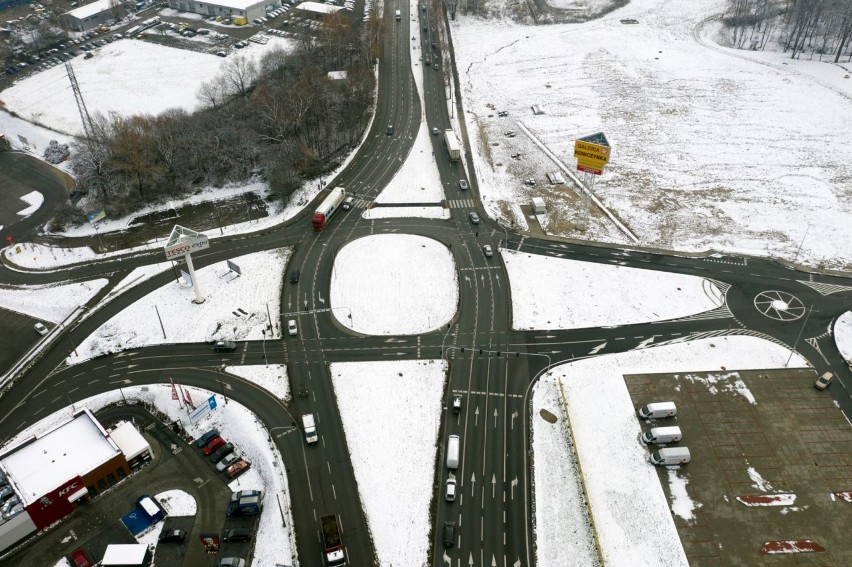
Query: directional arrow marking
{"points": [[598, 348], [514, 484], [495, 417], [514, 415], [476, 413], [646, 342]]}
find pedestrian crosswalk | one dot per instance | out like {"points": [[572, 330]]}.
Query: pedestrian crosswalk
{"points": [[360, 203], [462, 204]]}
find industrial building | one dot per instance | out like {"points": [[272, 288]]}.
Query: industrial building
{"points": [[317, 10], [90, 16], [51, 474], [249, 9]]}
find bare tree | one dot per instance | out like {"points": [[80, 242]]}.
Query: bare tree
{"points": [[212, 93], [239, 74]]}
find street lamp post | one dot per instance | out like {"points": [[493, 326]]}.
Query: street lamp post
{"points": [[447, 334], [265, 361], [802, 330]]}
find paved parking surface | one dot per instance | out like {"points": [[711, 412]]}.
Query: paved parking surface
{"points": [[792, 436]]}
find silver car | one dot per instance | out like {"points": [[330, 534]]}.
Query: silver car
{"points": [[229, 460]]}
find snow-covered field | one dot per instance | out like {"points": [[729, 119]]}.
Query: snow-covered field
{"points": [[256, 292], [119, 79], [708, 143], [394, 284], [569, 294], [417, 181], [395, 492], [631, 514]]}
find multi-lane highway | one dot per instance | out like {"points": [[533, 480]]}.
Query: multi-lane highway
{"points": [[491, 366]]}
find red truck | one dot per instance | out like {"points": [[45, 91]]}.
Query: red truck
{"points": [[327, 208], [334, 555]]}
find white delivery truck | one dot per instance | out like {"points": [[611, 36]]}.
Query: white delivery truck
{"points": [[310, 428], [657, 410], [660, 435], [453, 452], [670, 456]]}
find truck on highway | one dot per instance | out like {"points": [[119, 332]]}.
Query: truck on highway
{"points": [[310, 428], [453, 146], [334, 556], [328, 207]]}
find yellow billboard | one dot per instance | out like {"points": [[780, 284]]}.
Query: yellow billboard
{"points": [[591, 154]]}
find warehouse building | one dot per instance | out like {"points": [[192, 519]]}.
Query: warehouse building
{"points": [[90, 16], [52, 473], [317, 10], [248, 9]]}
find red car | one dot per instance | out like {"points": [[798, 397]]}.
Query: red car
{"points": [[237, 469], [214, 444], [78, 558]]}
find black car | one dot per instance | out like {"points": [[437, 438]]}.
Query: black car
{"points": [[224, 346], [172, 536], [222, 452], [294, 277], [237, 534], [206, 438]]}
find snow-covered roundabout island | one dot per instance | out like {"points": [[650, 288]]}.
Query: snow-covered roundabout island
{"points": [[843, 336], [390, 284]]}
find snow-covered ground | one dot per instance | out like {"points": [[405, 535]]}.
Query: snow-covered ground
{"points": [[51, 302], [395, 492], [394, 284], [416, 212], [568, 294], [682, 133], [417, 181], [843, 336], [271, 377], [119, 79], [235, 307], [632, 518], [273, 543]]}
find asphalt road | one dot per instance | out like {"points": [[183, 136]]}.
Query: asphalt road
{"points": [[492, 366]]}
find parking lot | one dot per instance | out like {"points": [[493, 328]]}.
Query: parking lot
{"points": [[792, 440], [176, 465]]}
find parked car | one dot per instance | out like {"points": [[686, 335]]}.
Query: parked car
{"points": [[237, 535], [40, 329], [213, 445], [237, 469], [221, 452], [227, 461], [221, 54], [232, 562], [78, 559], [207, 437], [235, 496], [172, 536]]}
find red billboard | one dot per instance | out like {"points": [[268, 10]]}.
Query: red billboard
{"points": [[54, 505], [588, 169]]}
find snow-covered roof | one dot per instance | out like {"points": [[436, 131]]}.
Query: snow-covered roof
{"points": [[41, 464], [87, 10], [125, 554], [319, 8], [235, 4], [129, 440]]}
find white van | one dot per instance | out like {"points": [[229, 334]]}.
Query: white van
{"points": [[660, 435], [453, 452], [398, 15], [657, 410], [670, 456]]}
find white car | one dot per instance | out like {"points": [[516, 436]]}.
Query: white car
{"points": [[40, 329], [226, 462], [292, 328], [450, 494]]}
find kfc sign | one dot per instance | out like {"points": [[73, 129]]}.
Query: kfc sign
{"points": [[54, 505]]}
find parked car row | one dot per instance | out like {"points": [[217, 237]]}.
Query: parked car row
{"points": [[663, 435], [10, 503], [222, 454]]}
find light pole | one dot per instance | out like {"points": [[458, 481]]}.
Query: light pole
{"points": [[265, 361], [802, 330], [799, 249], [447, 334]]}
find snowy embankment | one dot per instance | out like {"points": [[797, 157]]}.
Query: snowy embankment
{"points": [[273, 542], [633, 522], [843, 336], [570, 294], [394, 284], [235, 307], [49, 303], [395, 492]]}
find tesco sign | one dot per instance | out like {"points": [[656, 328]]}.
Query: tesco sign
{"points": [[186, 246]]}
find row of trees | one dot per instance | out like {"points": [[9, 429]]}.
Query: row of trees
{"points": [[282, 118], [795, 26]]}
